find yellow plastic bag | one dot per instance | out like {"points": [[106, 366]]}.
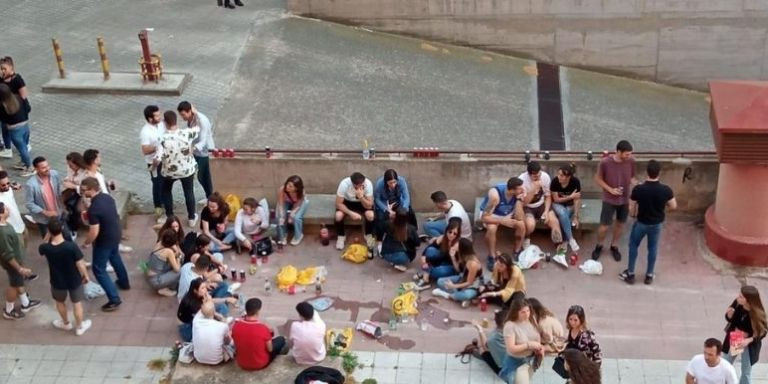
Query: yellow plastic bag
{"points": [[287, 277], [405, 304], [234, 205], [306, 276], [356, 253], [340, 338]]}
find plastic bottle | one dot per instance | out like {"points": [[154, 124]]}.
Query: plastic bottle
{"points": [[483, 305], [366, 151], [318, 286], [267, 286], [325, 237]]}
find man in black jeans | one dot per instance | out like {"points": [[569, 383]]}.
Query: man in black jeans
{"points": [[150, 140], [201, 145], [175, 154]]}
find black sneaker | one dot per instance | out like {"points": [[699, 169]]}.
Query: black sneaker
{"points": [[13, 315], [596, 253], [629, 279], [32, 305], [110, 306], [648, 279], [31, 277], [615, 253]]}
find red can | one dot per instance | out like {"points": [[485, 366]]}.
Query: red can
{"points": [[292, 289], [574, 258], [242, 275], [253, 259], [483, 305]]}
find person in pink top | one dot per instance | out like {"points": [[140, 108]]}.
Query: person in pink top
{"points": [[307, 336]]}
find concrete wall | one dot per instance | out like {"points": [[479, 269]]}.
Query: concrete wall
{"points": [[462, 179], [681, 42]]}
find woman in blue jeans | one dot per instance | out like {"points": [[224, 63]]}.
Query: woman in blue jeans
{"points": [[400, 241], [746, 315], [566, 196], [14, 115], [464, 286], [200, 291], [439, 258], [291, 205]]}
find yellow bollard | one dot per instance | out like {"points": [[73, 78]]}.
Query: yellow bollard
{"points": [[59, 61], [104, 60]]}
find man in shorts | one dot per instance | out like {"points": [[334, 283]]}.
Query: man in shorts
{"points": [[503, 206], [68, 274], [12, 260], [615, 176], [354, 198], [538, 203]]}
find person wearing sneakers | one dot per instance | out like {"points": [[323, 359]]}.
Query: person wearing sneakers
{"points": [[354, 198], [14, 115], [19, 88], [68, 274], [150, 141], [566, 195], [163, 265], [291, 205], [435, 226], [175, 155], [202, 144], [538, 203], [615, 176], [92, 159], [389, 194], [228, 4], [12, 260], [400, 241], [648, 202], [43, 195], [251, 224], [507, 282], [503, 207], [437, 258], [7, 198], [464, 286]]}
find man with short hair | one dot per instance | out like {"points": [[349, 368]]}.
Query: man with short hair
{"points": [[503, 206], [202, 268], [308, 336], [648, 202], [7, 198], [104, 233], [255, 345], [92, 158], [201, 144], [150, 141], [175, 154], [435, 227], [68, 274], [538, 203], [354, 198], [615, 176], [43, 196], [211, 342], [709, 367], [12, 260]]}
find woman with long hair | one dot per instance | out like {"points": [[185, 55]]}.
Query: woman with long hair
{"points": [[251, 224], [14, 115], [464, 286], [566, 196], [437, 257], [580, 368], [507, 282], [16, 83], [173, 223], [523, 344], [291, 205], [213, 223], [390, 193], [400, 241], [552, 334], [745, 316], [580, 336], [71, 193], [164, 264]]}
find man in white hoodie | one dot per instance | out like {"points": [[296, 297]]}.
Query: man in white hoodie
{"points": [[201, 145]]}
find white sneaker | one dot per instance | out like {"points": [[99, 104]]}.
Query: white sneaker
{"points": [[110, 268], [401, 268], [74, 236], [27, 172], [233, 287], [297, 239], [370, 242], [465, 304], [30, 218], [59, 324], [441, 293], [574, 245], [526, 243], [161, 220], [193, 221], [202, 201], [29, 147], [6, 153], [124, 248], [340, 240], [84, 326], [167, 292]]}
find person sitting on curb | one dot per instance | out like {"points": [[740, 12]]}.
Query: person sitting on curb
{"points": [[507, 282], [291, 206], [503, 207], [566, 195], [437, 260], [464, 286], [255, 344], [354, 198], [538, 203], [400, 241], [251, 223], [211, 341], [435, 226], [390, 193], [308, 336]]}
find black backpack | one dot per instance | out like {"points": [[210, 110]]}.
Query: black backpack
{"points": [[328, 375], [188, 245]]}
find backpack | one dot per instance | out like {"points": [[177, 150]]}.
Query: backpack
{"points": [[324, 374], [188, 245]]}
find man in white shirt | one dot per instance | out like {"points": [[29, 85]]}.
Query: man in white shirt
{"points": [[435, 227], [710, 368], [150, 140], [7, 198], [538, 203], [211, 341], [308, 336], [201, 145], [354, 198]]}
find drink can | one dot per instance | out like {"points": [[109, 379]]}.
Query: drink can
{"points": [[234, 275], [242, 275], [231, 152], [373, 153], [483, 305], [268, 152], [370, 328], [292, 289]]}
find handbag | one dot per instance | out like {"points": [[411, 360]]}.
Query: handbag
{"points": [[559, 367], [263, 247]]}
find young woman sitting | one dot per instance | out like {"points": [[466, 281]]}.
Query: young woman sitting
{"points": [[163, 266], [400, 241], [213, 223], [439, 256], [507, 282], [464, 286]]}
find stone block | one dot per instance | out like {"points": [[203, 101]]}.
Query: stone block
{"points": [[756, 5], [655, 6], [629, 51], [283, 370], [595, 8]]}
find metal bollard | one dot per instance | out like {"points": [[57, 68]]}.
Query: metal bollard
{"points": [[148, 69], [104, 60], [59, 60]]}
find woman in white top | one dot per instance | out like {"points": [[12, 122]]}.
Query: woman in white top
{"points": [[251, 222], [523, 342]]}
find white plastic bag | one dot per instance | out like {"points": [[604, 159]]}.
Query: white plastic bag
{"points": [[529, 256], [186, 353], [93, 290], [592, 267]]}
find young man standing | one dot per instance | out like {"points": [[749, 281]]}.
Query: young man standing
{"points": [[201, 144], [503, 206], [435, 227], [43, 194], [709, 367], [647, 203], [68, 274], [354, 198], [538, 203], [175, 154], [255, 345], [104, 234], [308, 336], [615, 176], [150, 140], [12, 260]]}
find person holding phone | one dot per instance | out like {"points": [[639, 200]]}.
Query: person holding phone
{"points": [[566, 195], [390, 193], [746, 317]]}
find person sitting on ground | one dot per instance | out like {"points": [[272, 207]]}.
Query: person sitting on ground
{"points": [[464, 286], [552, 334], [435, 226], [502, 206], [251, 224], [492, 349], [523, 344], [389, 194], [291, 206], [437, 260], [211, 341], [584, 371], [538, 203], [400, 241], [354, 198], [579, 336], [193, 300], [164, 264], [202, 267], [173, 223], [507, 282], [566, 195], [213, 223], [308, 336], [255, 345], [203, 247]]}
